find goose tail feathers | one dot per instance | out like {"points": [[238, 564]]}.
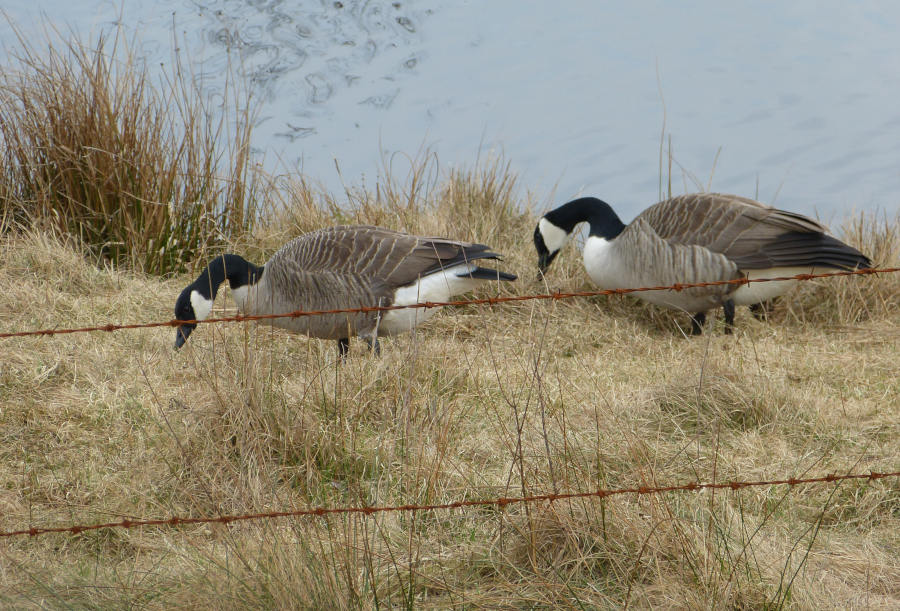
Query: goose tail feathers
{"points": [[486, 273], [797, 249]]}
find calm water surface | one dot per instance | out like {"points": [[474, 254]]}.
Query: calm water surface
{"points": [[794, 102]]}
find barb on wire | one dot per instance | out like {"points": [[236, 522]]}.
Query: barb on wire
{"points": [[500, 502], [678, 286]]}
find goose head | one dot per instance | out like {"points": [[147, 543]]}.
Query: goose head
{"points": [[555, 227], [548, 241], [194, 303], [196, 300]]}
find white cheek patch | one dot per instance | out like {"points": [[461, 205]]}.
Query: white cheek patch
{"points": [[554, 237], [202, 306]]}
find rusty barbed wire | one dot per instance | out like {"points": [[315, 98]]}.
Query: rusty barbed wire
{"points": [[501, 502], [439, 304]]}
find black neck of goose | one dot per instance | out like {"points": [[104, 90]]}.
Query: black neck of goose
{"points": [[603, 221], [234, 268]]}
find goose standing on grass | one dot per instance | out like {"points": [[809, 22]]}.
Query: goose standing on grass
{"points": [[700, 237], [343, 267]]}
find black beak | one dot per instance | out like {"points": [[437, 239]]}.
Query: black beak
{"points": [[544, 261], [181, 335]]}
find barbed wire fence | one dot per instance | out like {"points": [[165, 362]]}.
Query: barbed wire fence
{"points": [[109, 327], [500, 502]]}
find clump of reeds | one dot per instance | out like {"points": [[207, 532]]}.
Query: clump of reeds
{"points": [[91, 147]]}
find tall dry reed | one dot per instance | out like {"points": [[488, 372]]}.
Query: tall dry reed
{"points": [[145, 173]]}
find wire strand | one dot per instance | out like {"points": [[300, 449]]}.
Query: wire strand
{"points": [[501, 502], [438, 304]]}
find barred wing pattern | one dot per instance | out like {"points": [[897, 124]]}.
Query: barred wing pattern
{"points": [[751, 234], [351, 266], [653, 261]]}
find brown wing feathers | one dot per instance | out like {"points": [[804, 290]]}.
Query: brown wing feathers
{"points": [[444, 257], [751, 234], [795, 249], [394, 258]]}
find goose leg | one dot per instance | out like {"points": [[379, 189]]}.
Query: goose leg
{"points": [[343, 347], [697, 322], [761, 310], [728, 306], [374, 346]]}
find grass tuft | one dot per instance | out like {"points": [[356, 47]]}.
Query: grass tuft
{"points": [[849, 301], [90, 147]]}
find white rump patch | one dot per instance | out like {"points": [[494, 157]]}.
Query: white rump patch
{"points": [[438, 286], [749, 294], [554, 237], [202, 306]]}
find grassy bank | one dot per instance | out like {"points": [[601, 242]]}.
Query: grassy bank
{"points": [[481, 402]]}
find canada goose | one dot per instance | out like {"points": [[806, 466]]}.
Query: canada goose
{"points": [[696, 238], [342, 267]]}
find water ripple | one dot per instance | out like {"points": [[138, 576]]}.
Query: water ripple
{"points": [[314, 51]]}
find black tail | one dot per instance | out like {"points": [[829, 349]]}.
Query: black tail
{"points": [[797, 249], [484, 273], [464, 254]]}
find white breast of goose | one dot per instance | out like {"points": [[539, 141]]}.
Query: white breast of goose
{"points": [[251, 300], [263, 299], [658, 263], [437, 286], [258, 300], [241, 296], [605, 266]]}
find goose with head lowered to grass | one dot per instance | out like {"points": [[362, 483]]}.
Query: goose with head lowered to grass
{"points": [[700, 237], [342, 267]]}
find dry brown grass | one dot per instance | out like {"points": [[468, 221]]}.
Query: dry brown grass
{"points": [[147, 174], [480, 402], [845, 302]]}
